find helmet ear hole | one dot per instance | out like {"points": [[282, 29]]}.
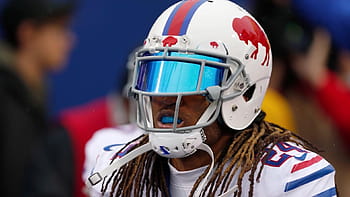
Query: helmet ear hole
{"points": [[249, 93]]}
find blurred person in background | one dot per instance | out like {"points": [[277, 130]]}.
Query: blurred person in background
{"points": [[328, 86], [318, 98], [36, 155], [322, 105], [84, 121]]}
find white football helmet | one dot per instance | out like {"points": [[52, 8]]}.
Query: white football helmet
{"points": [[203, 47]]}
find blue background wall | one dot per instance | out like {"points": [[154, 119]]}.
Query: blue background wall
{"points": [[106, 32]]}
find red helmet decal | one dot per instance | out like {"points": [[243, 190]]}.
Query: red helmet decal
{"points": [[248, 30], [169, 41], [214, 44]]}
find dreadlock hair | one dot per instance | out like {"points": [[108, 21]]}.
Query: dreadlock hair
{"points": [[147, 172]]}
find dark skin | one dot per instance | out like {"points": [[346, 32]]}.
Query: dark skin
{"points": [[191, 108]]}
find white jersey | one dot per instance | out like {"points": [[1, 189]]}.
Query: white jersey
{"points": [[102, 147], [289, 170]]}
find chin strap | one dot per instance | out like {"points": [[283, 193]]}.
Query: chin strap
{"points": [[230, 192], [201, 186], [116, 164]]}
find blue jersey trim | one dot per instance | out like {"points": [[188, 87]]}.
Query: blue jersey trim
{"points": [[109, 147], [309, 178], [328, 193]]}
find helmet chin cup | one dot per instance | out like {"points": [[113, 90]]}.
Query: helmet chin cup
{"points": [[176, 145]]}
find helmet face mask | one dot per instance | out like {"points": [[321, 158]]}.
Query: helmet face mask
{"points": [[210, 48], [170, 72]]}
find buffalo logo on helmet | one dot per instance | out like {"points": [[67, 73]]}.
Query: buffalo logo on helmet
{"points": [[214, 44], [169, 41], [248, 30]]}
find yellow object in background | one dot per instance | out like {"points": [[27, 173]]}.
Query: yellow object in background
{"points": [[278, 110]]}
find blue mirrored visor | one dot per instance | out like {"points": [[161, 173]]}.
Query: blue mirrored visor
{"points": [[168, 76]]}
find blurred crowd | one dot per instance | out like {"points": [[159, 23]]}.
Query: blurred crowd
{"points": [[311, 64], [309, 91]]}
